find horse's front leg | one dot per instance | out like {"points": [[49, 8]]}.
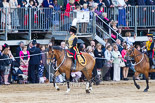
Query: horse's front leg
{"points": [[147, 82], [68, 80], [136, 74], [68, 87], [54, 84], [87, 87]]}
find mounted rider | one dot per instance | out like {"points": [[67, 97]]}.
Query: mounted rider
{"points": [[72, 41], [149, 48]]}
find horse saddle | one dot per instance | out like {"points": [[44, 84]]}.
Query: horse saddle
{"points": [[80, 58]]}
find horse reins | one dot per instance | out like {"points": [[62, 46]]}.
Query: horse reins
{"points": [[137, 56]]}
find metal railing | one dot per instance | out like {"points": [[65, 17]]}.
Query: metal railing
{"points": [[40, 19], [132, 16], [102, 26]]}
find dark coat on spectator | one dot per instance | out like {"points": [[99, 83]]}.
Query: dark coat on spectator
{"points": [[77, 4], [141, 2], [83, 2], [131, 2], [35, 1], [97, 1], [46, 4], [99, 62], [148, 2], [17, 55], [34, 59], [107, 4]]}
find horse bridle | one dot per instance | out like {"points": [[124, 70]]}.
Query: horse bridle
{"points": [[58, 58], [137, 56]]}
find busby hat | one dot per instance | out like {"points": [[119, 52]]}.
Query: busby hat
{"points": [[34, 42], [73, 29], [150, 35]]}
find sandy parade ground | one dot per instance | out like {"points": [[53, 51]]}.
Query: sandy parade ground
{"points": [[106, 92]]}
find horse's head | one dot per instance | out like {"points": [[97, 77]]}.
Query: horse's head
{"points": [[130, 52], [53, 51]]}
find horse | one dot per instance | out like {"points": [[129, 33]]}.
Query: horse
{"points": [[64, 64], [142, 65]]}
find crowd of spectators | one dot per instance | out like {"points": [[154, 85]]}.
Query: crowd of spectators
{"points": [[15, 21]]}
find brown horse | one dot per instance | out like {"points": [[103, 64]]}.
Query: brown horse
{"points": [[142, 65], [64, 64]]}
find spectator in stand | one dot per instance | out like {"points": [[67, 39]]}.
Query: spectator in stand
{"points": [[141, 12], [91, 3], [108, 21], [69, 7], [14, 15], [131, 2], [101, 5], [48, 12], [21, 45], [150, 10], [63, 45], [35, 3], [122, 13], [96, 11], [57, 7], [90, 51], [108, 62], [104, 48], [109, 5], [7, 65], [118, 43], [83, 2], [77, 3], [127, 62], [114, 33], [117, 57], [84, 25], [3, 18], [24, 61], [82, 48], [99, 54], [34, 63], [129, 39], [92, 44]]}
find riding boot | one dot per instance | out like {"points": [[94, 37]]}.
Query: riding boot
{"points": [[74, 65]]}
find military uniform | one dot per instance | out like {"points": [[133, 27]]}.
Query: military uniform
{"points": [[149, 48], [72, 41]]}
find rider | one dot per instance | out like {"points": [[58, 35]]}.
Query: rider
{"points": [[73, 44], [149, 48]]}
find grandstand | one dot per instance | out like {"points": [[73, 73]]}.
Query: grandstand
{"points": [[44, 23]]}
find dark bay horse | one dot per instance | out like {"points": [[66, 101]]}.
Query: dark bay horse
{"points": [[64, 64], [142, 65]]}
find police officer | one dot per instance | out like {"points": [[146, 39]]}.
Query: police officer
{"points": [[34, 63], [73, 44], [149, 48]]}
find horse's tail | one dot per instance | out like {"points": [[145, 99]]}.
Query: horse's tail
{"points": [[151, 70]]}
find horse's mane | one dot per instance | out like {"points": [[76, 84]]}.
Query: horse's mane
{"points": [[57, 48]]}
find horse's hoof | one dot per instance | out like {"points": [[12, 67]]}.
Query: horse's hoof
{"points": [[87, 91], [68, 90], [137, 86], [145, 90], [58, 89], [91, 89]]}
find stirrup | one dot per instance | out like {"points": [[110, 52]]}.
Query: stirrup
{"points": [[73, 67]]}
